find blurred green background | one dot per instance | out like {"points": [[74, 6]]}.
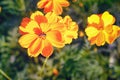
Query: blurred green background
{"points": [[77, 61]]}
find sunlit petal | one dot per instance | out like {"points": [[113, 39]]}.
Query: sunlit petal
{"points": [[35, 48], [52, 5], [55, 38], [68, 34], [48, 7], [52, 17], [68, 40], [91, 31], [48, 49], [67, 20], [108, 29], [36, 13], [24, 22], [107, 18], [93, 19], [45, 27], [57, 8], [100, 39], [115, 33], [42, 3], [31, 26], [92, 40], [22, 30], [26, 40], [39, 17], [64, 3]]}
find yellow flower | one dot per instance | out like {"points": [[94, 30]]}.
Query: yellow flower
{"points": [[71, 30], [39, 35], [40, 32], [100, 29], [52, 5]]}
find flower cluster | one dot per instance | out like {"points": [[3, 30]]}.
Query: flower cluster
{"points": [[41, 32], [100, 29]]}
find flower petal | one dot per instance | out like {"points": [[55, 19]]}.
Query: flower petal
{"points": [[48, 7], [26, 40], [93, 40], [108, 29], [115, 33], [100, 39], [55, 38], [68, 40], [57, 8], [25, 21], [30, 27], [36, 47], [53, 5], [36, 13], [45, 27], [52, 17], [63, 3], [107, 18], [22, 30], [67, 20], [58, 26], [52, 26], [46, 4], [91, 32], [42, 3], [94, 19], [72, 34], [39, 17], [69, 35], [48, 49]]}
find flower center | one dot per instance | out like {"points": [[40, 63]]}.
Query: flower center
{"points": [[43, 36], [39, 33], [100, 27]]}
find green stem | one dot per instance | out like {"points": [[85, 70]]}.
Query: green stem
{"points": [[43, 65], [5, 75]]}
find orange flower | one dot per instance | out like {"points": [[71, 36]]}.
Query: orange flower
{"points": [[55, 72], [53, 5], [40, 32], [81, 34], [81, 4], [71, 29], [100, 29], [39, 35], [68, 27]]}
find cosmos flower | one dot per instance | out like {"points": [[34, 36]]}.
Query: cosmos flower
{"points": [[39, 35], [71, 29], [100, 29], [53, 5], [68, 28], [55, 72]]}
